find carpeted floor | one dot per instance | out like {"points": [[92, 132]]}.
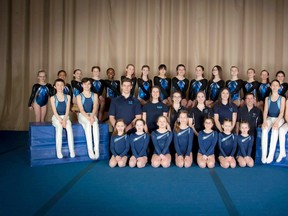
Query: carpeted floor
{"points": [[92, 188]]}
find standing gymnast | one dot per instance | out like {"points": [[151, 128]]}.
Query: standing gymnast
{"points": [[183, 141], [207, 140], [144, 85], [272, 118], [251, 85], [139, 143], [235, 85], [245, 143], [161, 139], [227, 143], [77, 88], [180, 83], [164, 83], [60, 104], [98, 87], [214, 87], [87, 102], [38, 100], [119, 145], [67, 88], [130, 74], [280, 76], [196, 85], [263, 90]]}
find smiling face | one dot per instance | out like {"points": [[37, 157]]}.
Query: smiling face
{"points": [[208, 124], [162, 122], [251, 74], [155, 93], [264, 75], [225, 95], [275, 86], [280, 77], [126, 88], [183, 118], [145, 71], [110, 74], [130, 70], [215, 71], [62, 75], [176, 97], [249, 99], [77, 75], [95, 72], [200, 98], [244, 128], [86, 86], [227, 126], [181, 71], [199, 71], [59, 86], [120, 127], [234, 71], [139, 126]]}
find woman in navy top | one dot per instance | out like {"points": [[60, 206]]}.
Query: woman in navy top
{"points": [[272, 118], [224, 109], [164, 83], [207, 140], [214, 87], [245, 144], [235, 85], [87, 102], [263, 89], [40, 94], [60, 104], [227, 143], [119, 145], [161, 139], [183, 141], [196, 85], [180, 83], [154, 109], [139, 143], [144, 85]]}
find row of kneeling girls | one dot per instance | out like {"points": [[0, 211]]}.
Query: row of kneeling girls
{"points": [[137, 146]]}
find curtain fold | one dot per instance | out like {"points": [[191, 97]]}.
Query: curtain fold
{"points": [[69, 34]]}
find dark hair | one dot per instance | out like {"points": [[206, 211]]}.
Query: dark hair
{"points": [[196, 102], [280, 72], [85, 80], [267, 73], [252, 70], [275, 80], [200, 67], [209, 118], [180, 65], [227, 120], [110, 69], [41, 71], [220, 99], [58, 80], [126, 80], [61, 71], [76, 71], [162, 66], [177, 123], [156, 87], [247, 94], [95, 67], [133, 75], [245, 122], [115, 132], [145, 66], [219, 68]]}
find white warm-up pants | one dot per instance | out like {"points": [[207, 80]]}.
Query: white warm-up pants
{"points": [[87, 128], [59, 129], [282, 139], [273, 140]]}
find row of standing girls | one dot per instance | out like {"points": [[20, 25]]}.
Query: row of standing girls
{"points": [[182, 137]]}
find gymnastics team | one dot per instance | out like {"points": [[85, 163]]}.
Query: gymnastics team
{"points": [[180, 121]]}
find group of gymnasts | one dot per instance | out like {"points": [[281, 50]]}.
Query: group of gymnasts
{"points": [[173, 112]]}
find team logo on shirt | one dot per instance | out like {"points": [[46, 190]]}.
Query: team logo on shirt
{"points": [[119, 138], [228, 137], [130, 102], [159, 107], [247, 138], [231, 109], [184, 131], [137, 138], [206, 137], [163, 135]]}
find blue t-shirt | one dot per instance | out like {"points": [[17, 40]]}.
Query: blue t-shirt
{"points": [[125, 108], [153, 111], [225, 111]]}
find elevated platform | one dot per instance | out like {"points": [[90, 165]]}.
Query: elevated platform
{"points": [[43, 147], [258, 156]]}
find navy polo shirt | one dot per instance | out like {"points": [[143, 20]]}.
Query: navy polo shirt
{"points": [[125, 108], [253, 117], [199, 117], [225, 111], [153, 111]]}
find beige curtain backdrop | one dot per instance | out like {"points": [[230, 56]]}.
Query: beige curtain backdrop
{"points": [[70, 34]]}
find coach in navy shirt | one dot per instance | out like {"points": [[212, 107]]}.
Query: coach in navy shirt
{"points": [[125, 106]]}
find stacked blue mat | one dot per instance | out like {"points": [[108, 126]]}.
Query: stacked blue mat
{"points": [[43, 147], [284, 161]]}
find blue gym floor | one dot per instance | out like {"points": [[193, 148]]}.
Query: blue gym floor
{"points": [[92, 188]]}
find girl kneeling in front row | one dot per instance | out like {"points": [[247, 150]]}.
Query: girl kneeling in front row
{"points": [[245, 144], [161, 139], [227, 142], [119, 145], [207, 140], [139, 143], [183, 141]]}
